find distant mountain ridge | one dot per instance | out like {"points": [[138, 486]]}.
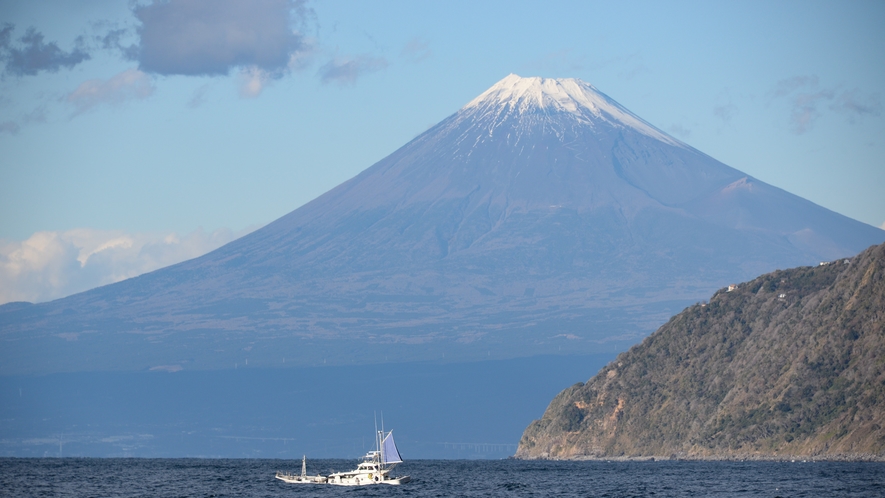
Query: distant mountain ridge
{"points": [[541, 218], [787, 365]]}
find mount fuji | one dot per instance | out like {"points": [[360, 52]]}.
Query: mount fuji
{"points": [[541, 218]]}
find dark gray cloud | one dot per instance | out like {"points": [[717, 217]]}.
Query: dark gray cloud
{"points": [[679, 129], [855, 104], [416, 50], [211, 37], [346, 70], [12, 127], [789, 85], [199, 97], [114, 39], [31, 54], [725, 112], [809, 102]]}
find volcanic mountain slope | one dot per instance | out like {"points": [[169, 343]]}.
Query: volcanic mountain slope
{"points": [[789, 364], [541, 217]]}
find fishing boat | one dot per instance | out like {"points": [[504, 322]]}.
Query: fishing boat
{"points": [[303, 478], [375, 467]]}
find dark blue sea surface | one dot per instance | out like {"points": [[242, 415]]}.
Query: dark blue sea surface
{"points": [[438, 411], [134, 477]]}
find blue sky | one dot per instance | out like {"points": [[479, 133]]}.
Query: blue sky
{"points": [[134, 134]]}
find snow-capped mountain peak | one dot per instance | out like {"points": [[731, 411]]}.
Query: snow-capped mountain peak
{"points": [[524, 95]]}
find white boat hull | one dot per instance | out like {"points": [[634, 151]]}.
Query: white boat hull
{"points": [[295, 479], [367, 481]]}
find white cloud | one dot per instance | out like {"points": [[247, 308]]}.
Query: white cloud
{"points": [[131, 84], [805, 109], [253, 79], [50, 265]]}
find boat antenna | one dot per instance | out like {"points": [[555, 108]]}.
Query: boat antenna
{"points": [[377, 441]]}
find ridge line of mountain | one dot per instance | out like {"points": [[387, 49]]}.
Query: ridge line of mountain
{"points": [[492, 235]]}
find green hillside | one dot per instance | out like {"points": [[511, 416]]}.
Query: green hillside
{"points": [[791, 364]]}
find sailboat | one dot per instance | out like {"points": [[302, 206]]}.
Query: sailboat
{"points": [[303, 478], [375, 467]]}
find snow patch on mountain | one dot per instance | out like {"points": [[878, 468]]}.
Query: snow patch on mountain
{"points": [[743, 184], [570, 95]]}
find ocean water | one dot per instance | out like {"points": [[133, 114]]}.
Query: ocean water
{"points": [[133, 477], [438, 411]]}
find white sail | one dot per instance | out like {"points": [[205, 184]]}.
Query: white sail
{"points": [[389, 453]]}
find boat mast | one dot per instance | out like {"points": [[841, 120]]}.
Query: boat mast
{"points": [[377, 446]]}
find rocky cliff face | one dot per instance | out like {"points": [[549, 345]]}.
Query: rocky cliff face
{"points": [[789, 364]]}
